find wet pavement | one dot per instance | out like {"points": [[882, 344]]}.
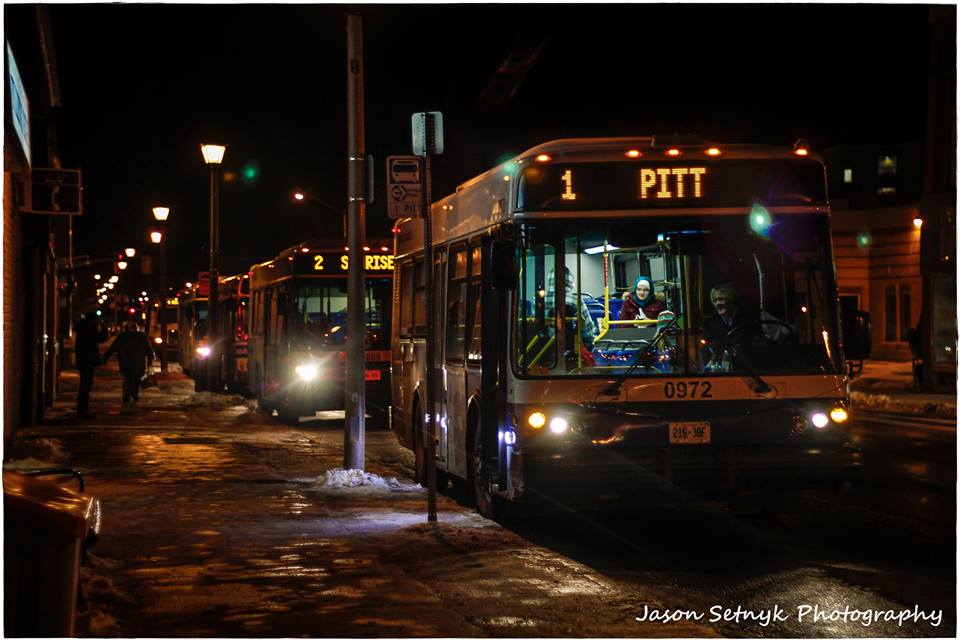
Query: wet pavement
{"points": [[217, 524]]}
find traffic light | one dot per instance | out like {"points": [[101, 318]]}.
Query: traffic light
{"points": [[250, 172]]}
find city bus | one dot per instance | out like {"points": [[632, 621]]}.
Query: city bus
{"points": [[234, 332], [192, 331], [298, 323], [547, 393]]}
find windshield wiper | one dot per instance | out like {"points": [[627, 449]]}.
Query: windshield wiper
{"points": [[614, 388], [761, 386]]}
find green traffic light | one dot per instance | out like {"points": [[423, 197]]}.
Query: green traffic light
{"points": [[250, 172]]}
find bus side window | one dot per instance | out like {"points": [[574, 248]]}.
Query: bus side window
{"points": [[406, 300], [473, 306], [419, 306], [456, 305]]}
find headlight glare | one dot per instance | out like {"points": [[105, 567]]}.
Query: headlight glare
{"points": [[819, 419], [307, 372], [558, 425], [203, 351]]}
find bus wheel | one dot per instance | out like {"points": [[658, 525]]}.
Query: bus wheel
{"points": [[479, 474]]}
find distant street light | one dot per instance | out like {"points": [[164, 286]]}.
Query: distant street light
{"points": [[96, 277], [160, 214], [130, 252], [213, 156], [122, 264]]}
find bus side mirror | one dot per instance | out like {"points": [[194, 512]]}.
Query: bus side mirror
{"points": [[855, 327], [503, 264]]}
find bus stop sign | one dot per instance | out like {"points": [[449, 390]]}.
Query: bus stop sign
{"points": [[404, 186]]}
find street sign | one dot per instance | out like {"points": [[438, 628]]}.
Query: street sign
{"points": [[55, 191], [423, 142], [404, 186]]}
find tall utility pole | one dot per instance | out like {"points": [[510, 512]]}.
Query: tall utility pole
{"points": [[354, 385]]}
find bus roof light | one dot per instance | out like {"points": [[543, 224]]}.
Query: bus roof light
{"points": [[673, 151], [713, 151], [634, 153], [801, 148], [543, 158]]}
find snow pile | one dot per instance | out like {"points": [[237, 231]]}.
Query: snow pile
{"points": [[212, 399], [29, 463], [906, 405], [340, 478]]}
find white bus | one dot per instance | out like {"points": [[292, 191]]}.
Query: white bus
{"points": [[694, 340]]}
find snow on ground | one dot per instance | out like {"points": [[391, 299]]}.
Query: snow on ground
{"points": [[33, 453], [904, 405], [212, 399], [340, 478]]}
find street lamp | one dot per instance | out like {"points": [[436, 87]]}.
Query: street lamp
{"points": [[213, 156], [122, 265], [160, 214], [130, 252]]}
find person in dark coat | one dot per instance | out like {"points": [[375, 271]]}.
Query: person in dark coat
{"points": [[134, 354], [88, 333], [641, 303], [734, 323]]}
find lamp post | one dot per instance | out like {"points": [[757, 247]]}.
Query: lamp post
{"points": [[213, 156], [160, 214]]}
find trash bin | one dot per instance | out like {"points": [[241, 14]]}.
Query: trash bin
{"points": [[44, 528]]}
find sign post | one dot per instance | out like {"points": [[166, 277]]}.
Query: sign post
{"points": [[428, 141]]}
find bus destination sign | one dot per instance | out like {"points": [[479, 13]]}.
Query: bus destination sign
{"points": [[628, 185], [339, 263]]}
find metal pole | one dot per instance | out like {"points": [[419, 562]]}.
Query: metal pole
{"points": [[429, 418], [354, 384], [213, 329], [163, 302]]}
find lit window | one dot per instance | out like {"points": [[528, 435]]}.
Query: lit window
{"points": [[848, 175]]}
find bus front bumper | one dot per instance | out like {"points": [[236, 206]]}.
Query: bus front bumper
{"points": [[588, 474]]}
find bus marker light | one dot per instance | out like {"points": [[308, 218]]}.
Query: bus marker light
{"points": [[819, 420], [713, 151], [633, 153], [543, 158], [558, 425], [801, 151], [673, 152], [158, 340], [839, 415], [537, 420]]}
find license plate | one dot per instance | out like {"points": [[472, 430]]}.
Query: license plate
{"points": [[693, 433], [371, 375]]}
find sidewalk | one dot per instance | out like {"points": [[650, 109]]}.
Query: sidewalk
{"points": [[888, 386], [219, 521]]}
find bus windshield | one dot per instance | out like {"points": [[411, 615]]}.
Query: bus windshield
{"points": [[321, 311], [698, 295]]}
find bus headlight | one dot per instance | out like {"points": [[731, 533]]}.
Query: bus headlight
{"points": [[558, 425], [307, 372], [839, 415], [819, 420], [203, 351], [537, 420]]}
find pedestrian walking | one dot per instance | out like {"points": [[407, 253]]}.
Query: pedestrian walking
{"points": [[134, 355], [88, 333]]}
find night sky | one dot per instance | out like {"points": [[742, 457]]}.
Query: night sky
{"points": [[143, 85]]}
